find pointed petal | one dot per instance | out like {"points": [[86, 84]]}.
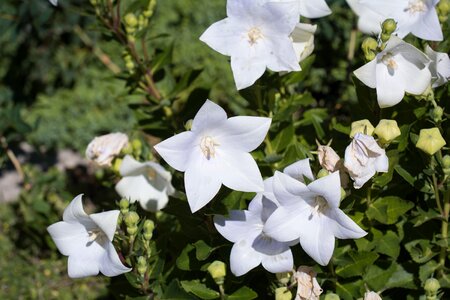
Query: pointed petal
{"points": [[246, 70], [69, 238], [86, 262], [243, 133], [243, 258], [428, 27], [328, 187], [74, 212], [130, 166], [367, 74], [314, 8], [390, 87], [381, 163], [239, 171], [107, 222], [287, 222], [238, 226], [278, 263], [177, 149], [283, 56], [318, 241], [299, 169], [202, 180], [110, 265], [224, 36], [342, 226], [417, 80], [287, 190], [210, 115]]}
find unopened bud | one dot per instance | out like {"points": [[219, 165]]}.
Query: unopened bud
{"points": [[446, 161], [387, 131], [385, 37], [322, 173], [443, 9], [388, 26], [131, 219], [130, 20], [361, 126], [437, 113], [116, 165], [284, 277], [328, 158], [430, 140], [369, 47], [283, 293], [218, 271], [188, 125], [93, 2], [331, 296], [137, 147], [432, 287], [141, 265], [149, 225], [124, 205]]}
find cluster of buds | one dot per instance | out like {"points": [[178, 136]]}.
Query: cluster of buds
{"points": [[131, 26], [141, 265], [387, 28], [129, 64], [131, 220], [146, 14], [443, 9]]}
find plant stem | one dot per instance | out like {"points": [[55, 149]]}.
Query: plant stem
{"points": [[13, 158], [444, 230], [222, 292]]}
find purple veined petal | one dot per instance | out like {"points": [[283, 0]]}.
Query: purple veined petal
{"points": [[243, 257], [176, 150]]}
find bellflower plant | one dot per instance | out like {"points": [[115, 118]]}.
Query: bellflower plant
{"points": [[215, 151], [251, 245], [439, 66], [368, 20], [309, 8], [87, 241], [149, 183], [418, 17], [399, 68], [256, 36], [310, 213]]}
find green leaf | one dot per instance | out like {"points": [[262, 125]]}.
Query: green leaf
{"points": [[387, 210], [420, 250], [377, 277], [357, 264], [175, 292], [283, 139], [388, 243], [183, 262], [202, 250], [426, 271], [401, 279], [349, 291], [423, 216], [405, 174], [244, 293], [199, 289]]}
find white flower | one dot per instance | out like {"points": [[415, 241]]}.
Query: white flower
{"points": [[307, 286], [369, 21], [371, 296], [103, 149], [256, 36], [363, 158], [87, 240], [439, 67], [303, 40], [149, 183], [310, 213], [398, 68], [251, 245], [54, 2], [308, 8], [215, 151], [418, 17]]}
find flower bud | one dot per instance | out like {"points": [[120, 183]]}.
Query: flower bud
{"points": [[443, 9], [137, 147], [328, 158], [93, 2], [116, 165], [430, 140], [188, 125], [331, 296], [130, 20], [103, 149], [141, 265], [371, 296], [149, 225], [361, 126], [284, 277], [437, 113], [131, 219], [387, 131], [389, 26], [124, 205], [432, 286], [322, 173], [385, 37], [218, 271], [446, 162], [282, 293], [369, 47]]}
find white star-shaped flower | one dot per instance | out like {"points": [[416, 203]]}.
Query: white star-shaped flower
{"points": [[310, 212], [256, 36], [439, 66], [215, 152], [87, 240], [251, 245], [149, 183], [369, 21], [399, 68], [418, 17], [363, 158]]}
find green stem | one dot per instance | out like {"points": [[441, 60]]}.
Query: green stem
{"points": [[222, 291], [444, 230]]}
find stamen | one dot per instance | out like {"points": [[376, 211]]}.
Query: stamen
{"points": [[208, 146], [254, 35], [95, 234], [416, 6], [389, 61]]}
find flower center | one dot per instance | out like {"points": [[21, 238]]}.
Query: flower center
{"points": [[416, 6], [254, 34], [208, 146], [96, 235], [320, 205], [389, 61]]}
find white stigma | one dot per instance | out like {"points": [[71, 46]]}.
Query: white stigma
{"points": [[95, 235], [208, 146], [320, 205], [254, 34], [389, 61], [416, 6]]}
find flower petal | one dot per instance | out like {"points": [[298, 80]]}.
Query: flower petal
{"points": [[277, 257], [243, 133], [110, 265], [82, 266], [287, 222], [209, 115], [246, 70], [428, 27], [69, 238], [367, 74], [299, 169], [239, 171], [243, 258], [238, 226], [176, 150], [417, 80], [390, 87], [328, 187], [342, 226], [318, 241], [314, 8], [107, 222], [74, 212], [287, 189], [283, 56], [224, 36]]}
